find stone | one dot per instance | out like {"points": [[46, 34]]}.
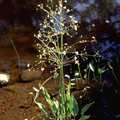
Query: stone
{"points": [[30, 75]]}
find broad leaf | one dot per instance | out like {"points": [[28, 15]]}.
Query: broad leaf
{"points": [[84, 117], [49, 101], [41, 106], [75, 107], [85, 108]]}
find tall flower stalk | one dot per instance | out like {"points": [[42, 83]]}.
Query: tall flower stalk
{"points": [[50, 43], [51, 48]]}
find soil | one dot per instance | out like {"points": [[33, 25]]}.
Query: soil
{"points": [[16, 100]]}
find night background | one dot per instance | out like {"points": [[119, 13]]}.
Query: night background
{"points": [[98, 21]]}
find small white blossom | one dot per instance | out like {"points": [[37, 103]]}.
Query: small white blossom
{"points": [[76, 52], [93, 25], [75, 27], [64, 7], [75, 21], [42, 69], [65, 1], [64, 52], [107, 21], [52, 20], [75, 58], [93, 37], [28, 65], [40, 56], [68, 10], [65, 43], [39, 35], [76, 62], [77, 74], [71, 17]]}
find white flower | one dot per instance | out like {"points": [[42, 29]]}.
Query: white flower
{"points": [[75, 58], [44, 26], [93, 37], [42, 69], [75, 21], [39, 35], [64, 52], [65, 1], [75, 27], [44, 51], [40, 56], [37, 44], [76, 62], [52, 20], [64, 7], [65, 43], [107, 21], [38, 5], [77, 74], [93, 25], [76, 52], [71, 17], [28, 65], [68, 10]]}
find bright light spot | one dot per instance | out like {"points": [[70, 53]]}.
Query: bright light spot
{"points": [[42, 69], [4, 78], [76, 52], [35, 89], [107, 21], [93, 37], [93, 25], [28, 65], [64, 52], [76, 62], [77, 74], [67, 76]]}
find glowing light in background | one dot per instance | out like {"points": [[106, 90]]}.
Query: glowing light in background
{"points": [[4, 78]]}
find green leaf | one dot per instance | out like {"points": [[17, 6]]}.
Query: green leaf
{"points": [[47, 117], [56, 103], [44, 116], [62, 94], [86, 107], [75, 107], [84, 117], [49, 101], [60, 111], [68, 90], [100, 70], [70, 104], [55, 75], [91, 67], [41, 106]]}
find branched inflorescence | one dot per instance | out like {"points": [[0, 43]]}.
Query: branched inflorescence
{"points": [[57, 23]]}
